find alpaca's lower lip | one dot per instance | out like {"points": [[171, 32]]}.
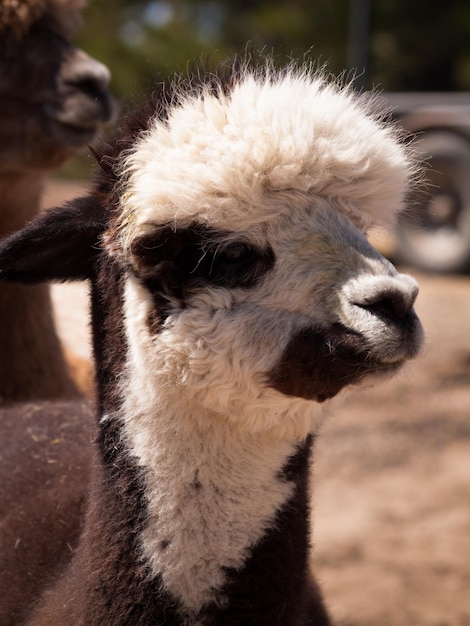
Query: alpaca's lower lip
{"points": [[59, 122], [85, 118], [76, 135], [77, 125], [83, 129]]}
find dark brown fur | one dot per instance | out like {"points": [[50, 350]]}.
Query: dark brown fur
{"points": [[44, 465], [17, 16], [53, 98], [318, 363]]}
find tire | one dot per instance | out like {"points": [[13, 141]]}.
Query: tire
{"points": [[434, 233]]}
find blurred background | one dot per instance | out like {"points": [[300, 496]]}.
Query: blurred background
{"points": [[416, 53], [392, 467], [409, 46]]}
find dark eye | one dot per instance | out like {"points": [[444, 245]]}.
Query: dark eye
{"points": [[235, 252]]}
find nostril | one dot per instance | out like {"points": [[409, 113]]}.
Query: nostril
{"points": [[390, 298], [391, 306], [391, 302], [86, 74], [90, 86], [92, 83]]}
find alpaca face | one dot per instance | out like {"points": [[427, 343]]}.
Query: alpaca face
{"points": [[253, 287], [245, 329], [53, 96]]}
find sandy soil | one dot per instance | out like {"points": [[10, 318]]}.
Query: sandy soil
{"points": [[391, 476]]}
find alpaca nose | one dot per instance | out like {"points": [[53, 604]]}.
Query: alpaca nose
{"points": [[380, 309], [87, 74], [84, 87], [389, 298]]}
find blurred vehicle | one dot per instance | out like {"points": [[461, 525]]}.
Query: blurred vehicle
{"points": [[434, 234]]}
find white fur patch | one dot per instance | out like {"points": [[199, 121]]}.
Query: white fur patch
{"points": [[211, 498], [212, 489]]}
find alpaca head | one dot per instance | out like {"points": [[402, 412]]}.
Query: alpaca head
{"points": [[53, 96], [237, 215]]}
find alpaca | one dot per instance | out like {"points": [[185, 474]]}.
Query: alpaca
{"points": [[233, 292], [53, 99]]}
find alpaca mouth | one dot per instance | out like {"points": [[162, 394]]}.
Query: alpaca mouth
{"points": [[318, 364], [71, 135], [75, 136], [77, 128], [86, 113], [82, 115]]}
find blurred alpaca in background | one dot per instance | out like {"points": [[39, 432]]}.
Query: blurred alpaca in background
{"points": [[53, 100]]}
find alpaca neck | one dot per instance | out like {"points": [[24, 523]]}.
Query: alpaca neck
{"points": [[193, 524], [190, 521], [32, 364], [20, 197], [205, 517]]}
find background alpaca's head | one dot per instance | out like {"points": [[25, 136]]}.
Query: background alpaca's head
{"points": [[53, 96], [17, 17]]}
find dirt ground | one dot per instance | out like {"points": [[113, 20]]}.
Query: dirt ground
{"points": [[392, 472], [392, 482]]}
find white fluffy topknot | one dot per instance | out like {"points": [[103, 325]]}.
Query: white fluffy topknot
{"points": [[271, 142]]}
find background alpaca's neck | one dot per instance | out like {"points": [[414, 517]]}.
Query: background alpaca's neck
{"points": [[32, 365], [20, 198]]}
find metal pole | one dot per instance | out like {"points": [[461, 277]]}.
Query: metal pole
{"points": [[358, 43]]}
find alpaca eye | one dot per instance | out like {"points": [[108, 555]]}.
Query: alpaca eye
{"points": [[235, 252]]}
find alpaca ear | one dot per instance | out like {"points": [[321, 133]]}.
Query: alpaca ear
{"points": [[59, 245]]}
